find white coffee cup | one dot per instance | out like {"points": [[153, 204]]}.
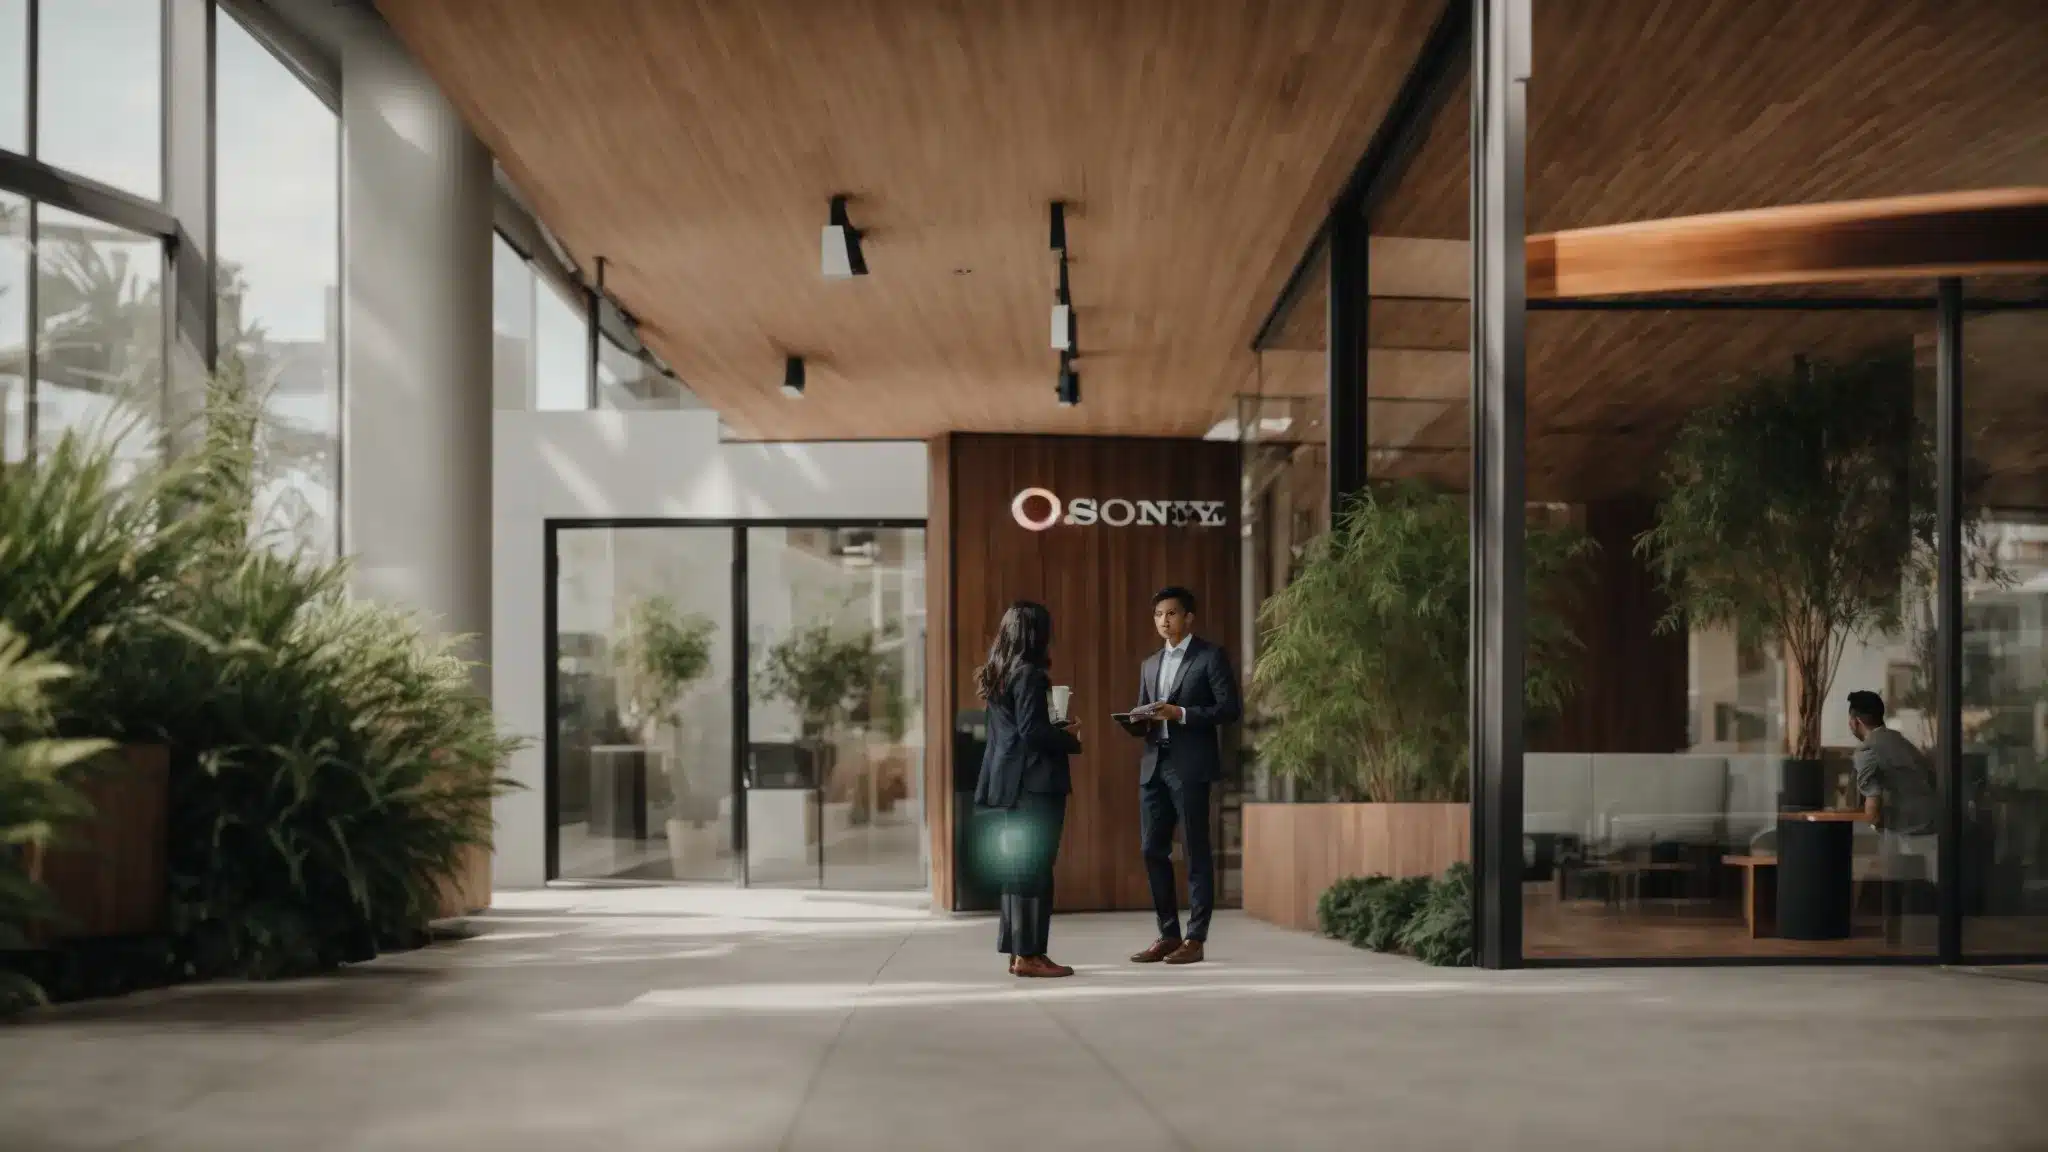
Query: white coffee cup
{"points": [[1061, 697]]}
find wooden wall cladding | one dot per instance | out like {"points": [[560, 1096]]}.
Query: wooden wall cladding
{"points": [[941, 701], [1630, 679], [110, 874], [1098, 581], [1294, 852]]}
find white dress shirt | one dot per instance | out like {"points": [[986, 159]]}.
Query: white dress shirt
{"points": [[1170, 662]]}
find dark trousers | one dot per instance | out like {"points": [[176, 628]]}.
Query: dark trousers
{"points": [[1165, 801], [1028, 844]]}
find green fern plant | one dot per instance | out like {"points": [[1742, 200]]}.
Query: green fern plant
{"points": [[37, 797]]}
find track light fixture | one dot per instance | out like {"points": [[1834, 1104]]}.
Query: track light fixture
{"points": [[1062, 312], [793, 378], [840, 256], [1067, 387]]}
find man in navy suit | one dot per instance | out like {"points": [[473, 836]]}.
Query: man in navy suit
{"points": [[1187, 693]]}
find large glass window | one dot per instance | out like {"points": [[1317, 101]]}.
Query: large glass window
{"points": [[277, 180], [511, 327], [2004, 853], [1752, 496], [15, 256], [99, 322], [14, 75], [561, 341], [100, 91]]}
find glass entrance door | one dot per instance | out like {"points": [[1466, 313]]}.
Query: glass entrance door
{"points": [[806, 640], [835, 626], [643, 704]]}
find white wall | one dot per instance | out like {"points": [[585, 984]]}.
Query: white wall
{"points": [[619, 465]]}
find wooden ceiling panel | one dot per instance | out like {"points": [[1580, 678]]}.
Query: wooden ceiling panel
{"points": [[1646, 109], [695, 143]]}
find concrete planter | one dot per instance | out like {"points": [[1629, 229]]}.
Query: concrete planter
{"points": [[1294, 852], [110, 875]]}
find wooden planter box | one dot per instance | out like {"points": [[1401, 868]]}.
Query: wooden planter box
{"points": [[1294, 852], [110, 876]]}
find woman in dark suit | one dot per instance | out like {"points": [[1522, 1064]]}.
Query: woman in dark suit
{"points": [[1024, 781]]}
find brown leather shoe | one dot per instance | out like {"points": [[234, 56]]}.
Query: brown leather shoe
{"points": [[1189, 952], [1159, 950], [1041, 967], [1013, 965]]}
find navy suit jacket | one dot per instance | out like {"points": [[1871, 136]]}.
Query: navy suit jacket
{"points": [[1207, 689], [1026, 751]]}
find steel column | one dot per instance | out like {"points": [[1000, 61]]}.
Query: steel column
{"points": [[1500, 76], [1345, 368], [1948, 610]]}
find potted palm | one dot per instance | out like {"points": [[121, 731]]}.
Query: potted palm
{"points": [[1800, 509], [662, 654], [1363, 663]]}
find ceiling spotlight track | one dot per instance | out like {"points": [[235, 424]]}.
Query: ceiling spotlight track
{"points": [[1067, 386], [840, 255]]}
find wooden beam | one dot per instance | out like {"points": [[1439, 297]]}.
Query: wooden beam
{"points": [[1995, 232]]}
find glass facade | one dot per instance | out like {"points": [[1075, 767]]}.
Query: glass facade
{"points": [[1740, 504], [644, 780], [277, 181]]}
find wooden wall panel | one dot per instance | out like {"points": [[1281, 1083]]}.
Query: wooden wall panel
{"points": [[1098, 581], [1294, 852], [110, 874], [940, 700], [1631, 678]]}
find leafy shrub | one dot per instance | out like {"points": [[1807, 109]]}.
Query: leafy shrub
{"points": [[342, 760], [1440, 932], [1388, 909], [1428, 919], [84, 554], [36, 797], [1341, 909], [331, 761]]}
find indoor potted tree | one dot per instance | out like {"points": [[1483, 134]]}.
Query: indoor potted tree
{"points": [[1363, 663], [823, 676], [1800, 509], [662, 653]]}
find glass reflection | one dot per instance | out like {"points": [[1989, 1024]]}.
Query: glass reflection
{"points": [[99, 333], [277, 173], [100, 91], [2005, 634]]}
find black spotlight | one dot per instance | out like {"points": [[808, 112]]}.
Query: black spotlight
{"points": [[1069, 387], [1059, 226], [840, 255], [793, 378]]}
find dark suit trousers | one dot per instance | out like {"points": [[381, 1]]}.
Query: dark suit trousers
{"points": [[1028, 842], [1165, 801]]}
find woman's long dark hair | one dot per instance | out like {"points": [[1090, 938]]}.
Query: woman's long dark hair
{"points": [[1022, 638]]}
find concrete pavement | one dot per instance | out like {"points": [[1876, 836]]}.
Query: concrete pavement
{"points": [[713, 1019]]}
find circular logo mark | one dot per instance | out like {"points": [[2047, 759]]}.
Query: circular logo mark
{"points": [[1020, 509]]}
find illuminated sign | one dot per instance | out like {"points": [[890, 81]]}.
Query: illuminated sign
{"points": [[1039, 509]]}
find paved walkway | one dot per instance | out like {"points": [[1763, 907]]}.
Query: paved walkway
{"points": [[614, 1021]]}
